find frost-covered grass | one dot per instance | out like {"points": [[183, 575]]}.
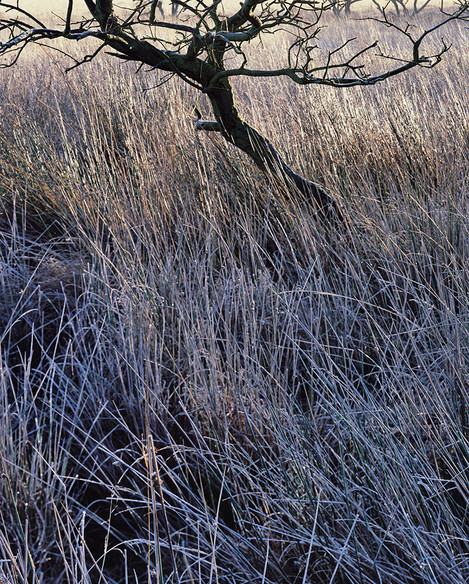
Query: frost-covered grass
{"points": [[200, 384]]}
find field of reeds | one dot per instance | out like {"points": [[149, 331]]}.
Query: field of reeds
{"points": [[201, 384]]}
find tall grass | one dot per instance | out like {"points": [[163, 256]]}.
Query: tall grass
{"points": [[198, 382]]}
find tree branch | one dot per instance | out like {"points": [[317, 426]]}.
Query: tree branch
{"points": [[204, 38]]}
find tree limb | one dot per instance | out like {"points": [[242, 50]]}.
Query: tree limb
{"points": [[205, 39]]}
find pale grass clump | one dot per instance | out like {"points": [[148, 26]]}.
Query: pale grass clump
{"points": [[198, 382]]}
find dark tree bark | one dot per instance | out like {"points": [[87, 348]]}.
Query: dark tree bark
{"points": [[234, 129], [205, 35]]}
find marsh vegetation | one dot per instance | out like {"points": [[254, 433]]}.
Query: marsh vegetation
{"points": [[201, 383]]}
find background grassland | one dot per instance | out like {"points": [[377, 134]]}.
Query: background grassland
{"points": [[198, 382]]}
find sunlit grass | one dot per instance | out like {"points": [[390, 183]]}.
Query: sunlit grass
{"points": [[198, 382]]}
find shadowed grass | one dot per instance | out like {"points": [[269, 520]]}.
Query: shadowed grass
{"points": [[201, 384]]}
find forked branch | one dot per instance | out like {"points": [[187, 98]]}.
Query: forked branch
{"points": [[207, 46]]}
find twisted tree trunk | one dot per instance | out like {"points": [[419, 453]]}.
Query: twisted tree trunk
{"points": [[206, 76], [234, 129]]}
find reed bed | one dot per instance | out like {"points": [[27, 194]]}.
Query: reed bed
{"points": [[199, 382]]}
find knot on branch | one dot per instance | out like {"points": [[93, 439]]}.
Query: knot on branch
{"points": [[207, 126]]}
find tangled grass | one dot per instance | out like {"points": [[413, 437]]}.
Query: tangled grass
{"points": [[201, 384]]}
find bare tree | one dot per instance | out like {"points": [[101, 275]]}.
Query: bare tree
{"points": [[401, 7], [343, 6], [208, 50], [159, 5]]}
